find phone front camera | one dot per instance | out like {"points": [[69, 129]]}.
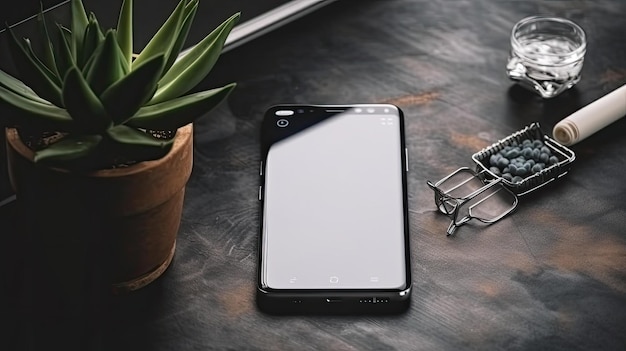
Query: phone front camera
{"points": [[282, 123]]}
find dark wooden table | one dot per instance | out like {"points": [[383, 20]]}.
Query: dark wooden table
{"points": [[552, 275]]}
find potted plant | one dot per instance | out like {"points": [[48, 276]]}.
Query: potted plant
{"points": [[99, 139]]}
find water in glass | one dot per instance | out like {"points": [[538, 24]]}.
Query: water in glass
{"points": [[546, 55]]}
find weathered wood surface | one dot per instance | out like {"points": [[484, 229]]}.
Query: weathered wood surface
{"points": [[550, 276]]}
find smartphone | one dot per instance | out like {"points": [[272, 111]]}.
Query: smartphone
{"points": [[334, 233]]}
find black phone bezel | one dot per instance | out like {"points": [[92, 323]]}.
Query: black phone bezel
{"points": [[328, 301]]}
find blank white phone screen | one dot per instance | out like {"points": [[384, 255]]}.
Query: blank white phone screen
{"points": [[333, 205]]}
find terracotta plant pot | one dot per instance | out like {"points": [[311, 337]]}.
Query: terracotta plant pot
{"points": [[116, 225]]}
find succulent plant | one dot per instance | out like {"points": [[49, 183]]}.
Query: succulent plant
{"points": [[90, 86]]}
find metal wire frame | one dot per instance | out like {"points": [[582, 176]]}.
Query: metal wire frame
{"points": [[452, 205]]}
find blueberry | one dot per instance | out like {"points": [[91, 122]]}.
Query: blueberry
{"points": [[536, 153], [521, 158], [527, 152], [512, 153], [503, 162], [526, 167], [493, 160], [553, 160], [517, 179]]}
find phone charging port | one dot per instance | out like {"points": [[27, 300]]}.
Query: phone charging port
{"points": [[333, 300]]}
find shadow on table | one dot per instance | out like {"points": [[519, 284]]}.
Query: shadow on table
{"points": [[45, 307]]}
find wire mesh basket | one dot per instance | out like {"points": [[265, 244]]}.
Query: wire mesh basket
{"points": [[533, 181]]}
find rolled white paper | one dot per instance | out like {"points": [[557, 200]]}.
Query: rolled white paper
{"points": [[591, 118]]}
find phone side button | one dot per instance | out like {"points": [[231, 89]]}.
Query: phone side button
{"points": [[260, 192], [406, 159]]}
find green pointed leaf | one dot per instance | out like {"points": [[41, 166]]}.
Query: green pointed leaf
{"points": [[125, 31], [126, 96], [165, 38], [173, 114], [68, 148], [132, 136], [65, 60], [46, 46], [95, 56], [193, 67], [191, 10], [79, 23], [33, 72], [90, 62], [17, 86], [47, 71], [83, 104], [91, 41], [107, 67], [25, 111], [67, 35]]}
